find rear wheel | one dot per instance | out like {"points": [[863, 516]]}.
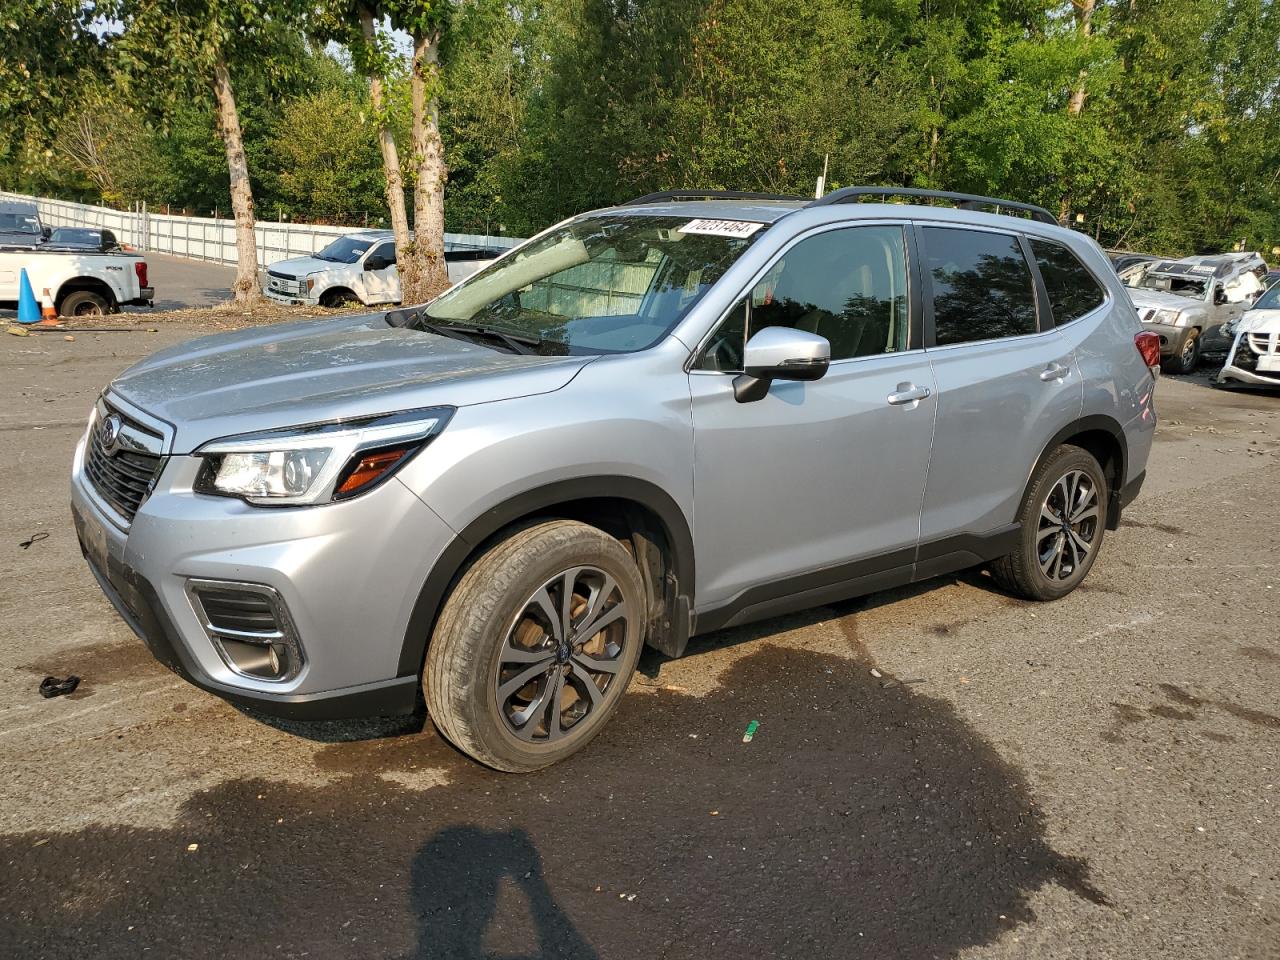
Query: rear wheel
{"points": [[1189, 358], [1063, 519], [536, 646], [84, 303]]}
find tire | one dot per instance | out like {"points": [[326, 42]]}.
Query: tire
{"points": [[1025, 572], [493, 633], [83, 303], [1189, 358]]}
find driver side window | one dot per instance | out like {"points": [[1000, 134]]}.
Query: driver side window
{"points": [[847, 285]]}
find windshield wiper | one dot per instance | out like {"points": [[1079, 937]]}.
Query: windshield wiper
{"points": [[515, 342]]}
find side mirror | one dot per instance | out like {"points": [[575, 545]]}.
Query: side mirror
{"points": [[1219, 296], [46, 232], [377, 263], [780, 353]]}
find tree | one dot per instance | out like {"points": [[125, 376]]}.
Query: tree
{"points": [[194, 44], [324, 152], [423, 272]]}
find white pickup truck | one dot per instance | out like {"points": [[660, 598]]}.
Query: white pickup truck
{"points": [[80, 283], [357, 266]]}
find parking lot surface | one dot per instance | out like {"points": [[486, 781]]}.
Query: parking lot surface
{"points": [[1091, 778]]}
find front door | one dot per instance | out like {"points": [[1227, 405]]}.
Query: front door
{"points": [[382, 285], [817, 482]]}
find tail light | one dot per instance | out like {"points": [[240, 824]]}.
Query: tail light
{"points": [[140, 268], [1148, 345]]}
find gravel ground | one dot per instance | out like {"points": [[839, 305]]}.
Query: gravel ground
{"points": [[1089, 779]]}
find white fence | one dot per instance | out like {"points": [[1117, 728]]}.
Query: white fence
{"points": [[207, 238]]}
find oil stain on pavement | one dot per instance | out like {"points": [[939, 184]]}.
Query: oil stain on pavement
{"points": [[862, 821]]}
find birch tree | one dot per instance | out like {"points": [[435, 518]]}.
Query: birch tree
{"points": [[423, 273], [182, 48]]}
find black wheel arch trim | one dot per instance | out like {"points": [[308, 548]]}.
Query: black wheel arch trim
{"points": [[1097, 422], [451, 562]]}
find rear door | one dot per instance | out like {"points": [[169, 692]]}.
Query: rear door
{"points": [[1007, 381]]}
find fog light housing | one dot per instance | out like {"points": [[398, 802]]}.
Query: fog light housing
{"points": [[250, 627]]}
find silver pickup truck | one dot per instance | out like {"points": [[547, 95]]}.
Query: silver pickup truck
{"points": [[1187, 301]]}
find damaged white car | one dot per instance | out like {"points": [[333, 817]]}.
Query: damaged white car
{"points": [[1187, 301], [1254, 357]]}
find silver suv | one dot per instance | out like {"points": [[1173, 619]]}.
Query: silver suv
{"points": [[646, 423]]}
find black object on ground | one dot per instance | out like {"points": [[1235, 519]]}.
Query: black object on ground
{"points": [[34, 538], [53, 687]]}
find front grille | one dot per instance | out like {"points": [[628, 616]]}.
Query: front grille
{"points": [[1262, 343], [123, 478], [284, 284]]}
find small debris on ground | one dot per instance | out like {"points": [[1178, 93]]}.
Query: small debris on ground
{"points": [[192, 847], [876, 673], [53, 687], [752, 727], [69, 338], [17, 331], [34, 538]]}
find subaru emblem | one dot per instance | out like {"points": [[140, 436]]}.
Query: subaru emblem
{"points": [[111, 428]]}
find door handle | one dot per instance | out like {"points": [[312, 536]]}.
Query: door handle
{"points": [[908, 393], [1054, 371]]}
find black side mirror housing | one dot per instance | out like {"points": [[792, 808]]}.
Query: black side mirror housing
{"points": [[376, 263]]}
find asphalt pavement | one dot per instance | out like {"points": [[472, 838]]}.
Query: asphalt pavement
{"points": [[1092, 778]]}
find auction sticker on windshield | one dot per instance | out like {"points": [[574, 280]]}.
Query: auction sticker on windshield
{"points": [[722, 228]]}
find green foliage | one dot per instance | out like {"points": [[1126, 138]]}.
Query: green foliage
{"points": [[326, 153], [549, 107]]}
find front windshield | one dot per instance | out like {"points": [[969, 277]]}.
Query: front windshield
{"points": [[610, 284], [345, 250], [19, 223], [1269, 300], [1166, 283]]}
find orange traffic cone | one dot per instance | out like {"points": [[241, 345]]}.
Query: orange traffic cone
{"points": [[48, 312]]}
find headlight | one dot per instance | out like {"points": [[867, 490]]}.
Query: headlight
{"points": [[1169, 317], [318, 463]]}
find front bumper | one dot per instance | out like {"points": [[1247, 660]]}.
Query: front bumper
{"points": [[1172, 338], [1257, 367], [290, 300], [348, 577]]}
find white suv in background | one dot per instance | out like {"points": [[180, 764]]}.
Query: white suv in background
{"points": [[357, 266]]}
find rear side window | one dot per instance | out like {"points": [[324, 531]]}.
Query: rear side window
{"points": [[982, 287], [1072, 289]]}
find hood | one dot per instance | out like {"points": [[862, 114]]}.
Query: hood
{"points": [[1260, 321], [312, 371], [1161, 300], [299, 267]]}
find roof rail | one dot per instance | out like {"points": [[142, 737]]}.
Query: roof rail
{"points": [[666, 195], [965, 201]]}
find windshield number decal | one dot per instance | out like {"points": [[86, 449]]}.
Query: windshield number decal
{"points": [[722, 228]]}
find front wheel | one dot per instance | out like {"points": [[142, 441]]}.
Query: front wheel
{"points": [[1189, 358], [536, 645], [1063, 519]]}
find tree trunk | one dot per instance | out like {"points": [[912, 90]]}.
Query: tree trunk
{"points": [[387, 143], [431, 276], [1084, 26], [245, 288]]}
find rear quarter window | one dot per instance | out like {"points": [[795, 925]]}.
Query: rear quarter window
{"points": [[1073, 290]]}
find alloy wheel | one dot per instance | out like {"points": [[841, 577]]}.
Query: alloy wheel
{"points": [[1068, 525], [562, 654]]}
